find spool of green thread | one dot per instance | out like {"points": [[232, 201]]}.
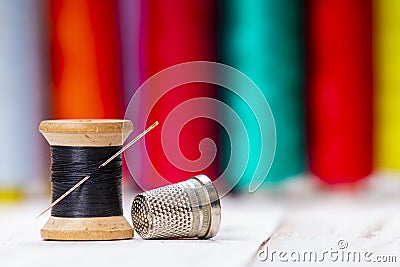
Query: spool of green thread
{"points": [[264, 40]]}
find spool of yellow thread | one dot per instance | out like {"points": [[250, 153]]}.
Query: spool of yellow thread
{"points": [[387, 69]]}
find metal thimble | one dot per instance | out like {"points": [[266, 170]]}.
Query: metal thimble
{"points": [[184, 210]]}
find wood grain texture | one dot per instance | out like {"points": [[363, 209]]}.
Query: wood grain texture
{"points": [[93, 133], [298, 216], [100, 228]]}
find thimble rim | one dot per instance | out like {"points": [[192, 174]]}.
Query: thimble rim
{"points": [[214, 204]]}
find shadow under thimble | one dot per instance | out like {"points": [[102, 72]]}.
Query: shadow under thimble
{"points": [[183, 210]]}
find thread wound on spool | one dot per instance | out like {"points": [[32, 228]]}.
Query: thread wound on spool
{"points": [[92, 211], [100, 196]]}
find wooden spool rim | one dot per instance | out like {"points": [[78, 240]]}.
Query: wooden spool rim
{"points": [[85, 126], [86, 133], [98, 228]]}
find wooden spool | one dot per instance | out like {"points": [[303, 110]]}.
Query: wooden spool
{"points": [[86, 133]]}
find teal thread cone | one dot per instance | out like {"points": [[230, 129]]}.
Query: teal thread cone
{"points": [[264, 40]]}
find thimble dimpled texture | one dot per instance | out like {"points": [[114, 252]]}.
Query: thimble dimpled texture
{"points": [[164, 212]]}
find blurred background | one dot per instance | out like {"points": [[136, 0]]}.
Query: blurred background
{"points": [[328, 68]]}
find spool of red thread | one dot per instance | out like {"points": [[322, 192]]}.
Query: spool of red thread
{"points": [[175, 32], [340, 89]]}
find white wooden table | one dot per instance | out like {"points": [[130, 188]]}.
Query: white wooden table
{"points": [[277, 226]]}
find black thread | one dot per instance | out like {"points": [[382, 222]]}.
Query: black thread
{"points": [[100, 196]]}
